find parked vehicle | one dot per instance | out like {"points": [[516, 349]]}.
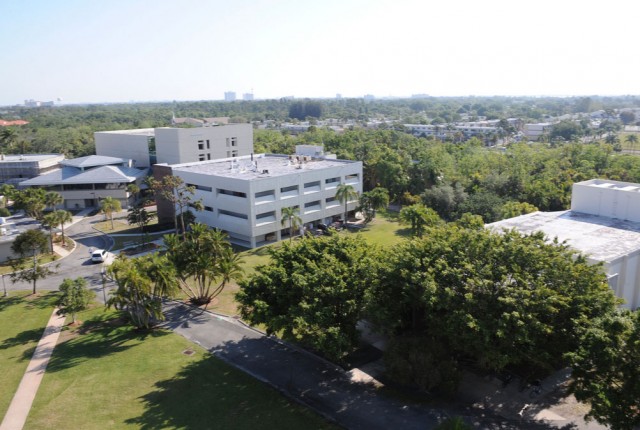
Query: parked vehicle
{"points": [[99, 255]]}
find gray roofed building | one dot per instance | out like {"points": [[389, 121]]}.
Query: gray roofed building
{"points": [[84, 181], [16, 168], [89, 161]]}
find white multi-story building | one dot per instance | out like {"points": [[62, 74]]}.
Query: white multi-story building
{"points": [[603, 224], [536, 131], [176, 145], [136, 145], [244, 196]]}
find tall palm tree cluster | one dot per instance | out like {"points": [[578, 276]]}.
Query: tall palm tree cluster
{"points": [[201, 265]]}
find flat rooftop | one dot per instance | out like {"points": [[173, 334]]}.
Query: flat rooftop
{"points": [[610, 185], [244, 168], [138, 131], [28, 157], [599, 238]]}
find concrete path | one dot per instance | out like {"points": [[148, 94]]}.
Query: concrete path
{"points": [[18, 411], [297, 374]]}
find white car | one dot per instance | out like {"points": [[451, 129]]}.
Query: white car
{"points": [[99, 255]]}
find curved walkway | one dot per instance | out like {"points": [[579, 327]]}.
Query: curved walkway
{"points": [[18, 411]]}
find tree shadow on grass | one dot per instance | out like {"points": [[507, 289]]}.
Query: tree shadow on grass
{"points": [[403, 232], [26, 336], [208, 394], [102, 336], [6, 302]]}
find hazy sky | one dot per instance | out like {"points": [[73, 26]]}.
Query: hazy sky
{"points": [[143, 50]]}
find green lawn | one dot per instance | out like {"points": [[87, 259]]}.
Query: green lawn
{"points": [[108, 376], [22, 322], [383, 231]]}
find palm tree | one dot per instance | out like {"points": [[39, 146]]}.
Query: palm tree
{"points": [[344, 194], [108, 206], [60, 218], [632, 139], [134, 190], [53, 199], [290, 214], [49, 221]]}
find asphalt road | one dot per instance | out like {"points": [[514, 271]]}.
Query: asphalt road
{"points": [[76, 264]]}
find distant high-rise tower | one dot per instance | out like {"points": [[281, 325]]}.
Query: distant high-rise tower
{"points": [[339, 96], [247, 96], [230, 96]]}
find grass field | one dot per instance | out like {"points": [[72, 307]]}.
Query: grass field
{"points": [[383, 231], [104, 375], [22, 322]]}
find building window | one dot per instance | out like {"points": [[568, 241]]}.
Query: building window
{"points": [[351, 178], [234, 153], [232, 193], [312, 187], [265, 196], [232, 214], [200, 187], [332, 181], [234, 141], [208, 156], [265, 218], [312, 206], [201, 157], [290, 191], [208, 208], [208, 144], [331, 202], [201, 144]]}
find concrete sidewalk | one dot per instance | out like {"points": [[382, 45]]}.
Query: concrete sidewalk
{"points": [[18, 411], [297, 374]]}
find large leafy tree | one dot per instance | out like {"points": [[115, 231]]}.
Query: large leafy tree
{"points": [[31, 243], [291, 216], [496, 299], [204, 262], [32, 201], [344, 194], [142, 282], [74, 297], [312, 292], [174, 190], [606, 370], [7, 191], [108, 206], [139, 216], [419, 217]]}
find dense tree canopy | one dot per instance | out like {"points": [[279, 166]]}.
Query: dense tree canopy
{"points": [[312, 292], [497, 300], [606, 370]]}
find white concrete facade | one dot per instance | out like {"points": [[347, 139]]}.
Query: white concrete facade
{"points": [[245, 198], [176, 145], [186, 145], [128, 144], [603, 197]]}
